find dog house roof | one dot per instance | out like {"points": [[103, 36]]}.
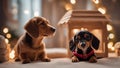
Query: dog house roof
{"points": [[83, 15]]}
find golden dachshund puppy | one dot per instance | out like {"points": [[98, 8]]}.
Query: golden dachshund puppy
{"points": [[30, 46], [82, 47]]}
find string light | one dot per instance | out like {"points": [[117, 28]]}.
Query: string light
{"points": [[5, 30], [72, 1], [111, 35], [102, 10], [110, 44], [7, 41], [96, 1], [8, 35], [109, 27], [112, 48], [12, 54]]}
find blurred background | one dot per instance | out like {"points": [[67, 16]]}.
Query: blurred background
{"points": [[15, 13]]}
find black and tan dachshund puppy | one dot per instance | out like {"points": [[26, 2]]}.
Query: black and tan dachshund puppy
{"points": [[82, 47]]}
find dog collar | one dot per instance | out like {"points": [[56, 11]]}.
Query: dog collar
{"points": [[83, 56]]}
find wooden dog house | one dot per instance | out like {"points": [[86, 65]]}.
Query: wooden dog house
{"points": [[93, 21]]}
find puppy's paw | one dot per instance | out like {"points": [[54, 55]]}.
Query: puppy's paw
{"points": [[75, 59], [46, 60], [17, 59], [26, 61], [93, 59]]}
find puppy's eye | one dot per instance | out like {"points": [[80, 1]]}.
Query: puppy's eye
{"points": [[42, 24], [87, 37]]}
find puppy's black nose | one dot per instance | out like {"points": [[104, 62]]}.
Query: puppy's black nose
{"points": [[53, 29], [83, 44]]}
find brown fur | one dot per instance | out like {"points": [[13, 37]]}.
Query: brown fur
{"points": [[30, 46]]}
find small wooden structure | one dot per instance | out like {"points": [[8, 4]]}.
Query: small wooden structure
{"points": [[93, 21]]}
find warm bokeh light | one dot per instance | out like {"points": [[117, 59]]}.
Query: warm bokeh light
{"points": [[5, 30], [68, 7], [111, 35], [36, 13], [72, 1], [96, 1], [102, 10], [8, 35], [110, 45], [7, 41], [82, 29], [12, 54], [113, 49], [76, 31], [26, 11], [109, 27]]}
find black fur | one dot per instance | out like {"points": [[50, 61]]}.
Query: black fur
{"points": [[95, 43], [72, 45], [28, 40]]}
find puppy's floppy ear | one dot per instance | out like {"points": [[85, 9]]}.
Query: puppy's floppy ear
{"points": [[32, 28], [72, 45], [75, 39], [95, 42]]}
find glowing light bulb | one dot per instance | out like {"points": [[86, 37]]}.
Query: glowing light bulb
{"points": [[112, 48], [7, 41], [110, 44], [12, 54], [96, 1], [5, 30], [72, 1], [8, 35], [111, 35], [75, 31], [102, 10], [109, 27]]}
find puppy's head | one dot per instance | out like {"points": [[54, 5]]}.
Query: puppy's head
{"points": [[84, 39], [39, 26]]}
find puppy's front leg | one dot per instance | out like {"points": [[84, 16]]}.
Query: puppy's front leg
{"points": [[25, 59], [44, 57], [75, 59], [93, 59]]}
